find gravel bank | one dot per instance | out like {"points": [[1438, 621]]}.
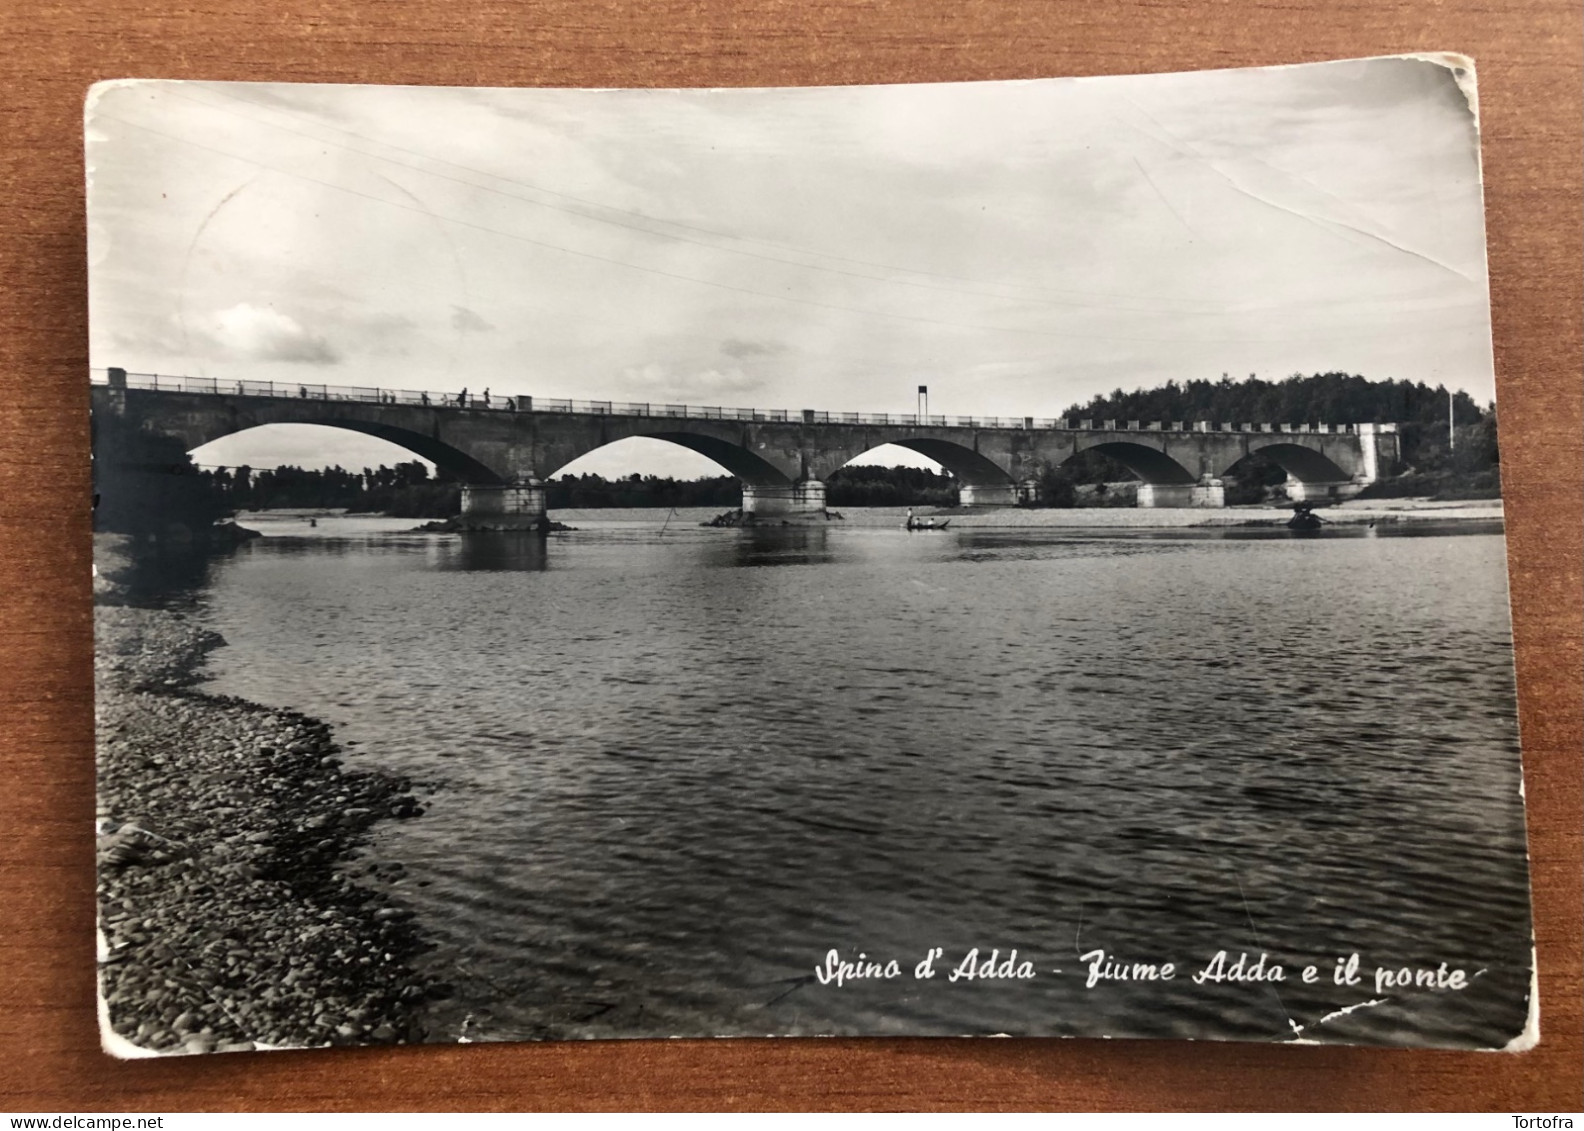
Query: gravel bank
{"points": [[231, 912]]}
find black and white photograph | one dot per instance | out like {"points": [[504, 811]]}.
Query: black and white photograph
{"points": [[1015, 558]]}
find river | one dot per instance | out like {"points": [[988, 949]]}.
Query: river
{"points": [[669, 770]]}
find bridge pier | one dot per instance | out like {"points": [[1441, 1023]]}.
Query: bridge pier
{"points": [[516, 506], [1208, 492], [987, 495], [1300, 492], [804, 497]]}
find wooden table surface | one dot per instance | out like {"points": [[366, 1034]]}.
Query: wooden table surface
{"points": [[1529, 60]]}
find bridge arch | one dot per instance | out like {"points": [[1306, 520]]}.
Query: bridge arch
{"points": [[1151, 465], [437, 452], [1301, 463], [733, 458], [968, 467]]}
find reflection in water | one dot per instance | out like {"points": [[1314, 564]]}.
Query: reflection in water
{"points": [[666, 781], [162, 572], [781, 545], [496, 551]]}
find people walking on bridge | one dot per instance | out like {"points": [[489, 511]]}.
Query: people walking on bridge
{"points": [[462, 399], [424, 397], [486, 396]]}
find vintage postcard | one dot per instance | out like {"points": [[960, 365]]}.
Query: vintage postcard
{"points": [[990, 558]]}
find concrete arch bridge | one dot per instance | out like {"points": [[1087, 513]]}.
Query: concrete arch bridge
{"points": [[505, 448]]}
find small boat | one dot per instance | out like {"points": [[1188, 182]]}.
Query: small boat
{"points": [[926, 524], [1304, 518]]}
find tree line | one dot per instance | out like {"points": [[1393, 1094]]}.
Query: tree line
{"points": [[1320, 398], [409, 491], [406, 490], [1465, 465]]}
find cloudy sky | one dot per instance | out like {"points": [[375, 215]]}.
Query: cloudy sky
{"points": [[1017, 247]]}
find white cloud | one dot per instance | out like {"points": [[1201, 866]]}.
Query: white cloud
{"points": [[743, 347], [464, 319], [264, 334]]}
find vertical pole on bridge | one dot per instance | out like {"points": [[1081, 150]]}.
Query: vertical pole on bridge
{"points": [[118, 389]]}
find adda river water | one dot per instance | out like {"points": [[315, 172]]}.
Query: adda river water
{"points": [[668, 773]]}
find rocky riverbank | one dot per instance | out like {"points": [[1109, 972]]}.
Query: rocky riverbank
{"points": [[234, 912], [744, 518], [458, 525]]}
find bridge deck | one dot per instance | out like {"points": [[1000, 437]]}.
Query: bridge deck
{"points": [[158, 382]]}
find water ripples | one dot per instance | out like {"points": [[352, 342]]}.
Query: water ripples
{"points": [[668, 773]]}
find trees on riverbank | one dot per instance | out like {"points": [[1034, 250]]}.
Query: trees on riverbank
{"points": [[408, 491], [1330, 398], [405, 491], [863, 486], [145, 483], [1465, 465]]}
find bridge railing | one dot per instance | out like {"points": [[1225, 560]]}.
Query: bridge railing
{"points": [[161, 382]]}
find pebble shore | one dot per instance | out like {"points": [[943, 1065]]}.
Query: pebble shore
{"points": [[234, 913]]}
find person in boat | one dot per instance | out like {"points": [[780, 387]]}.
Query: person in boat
{"points": [[1304, 518], [926, 523]]}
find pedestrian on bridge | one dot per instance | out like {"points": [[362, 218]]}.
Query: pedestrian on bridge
{"points": [[486, 397], [462, 399]]}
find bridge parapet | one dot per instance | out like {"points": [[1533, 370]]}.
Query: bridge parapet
{"points": [[519, 403]]}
